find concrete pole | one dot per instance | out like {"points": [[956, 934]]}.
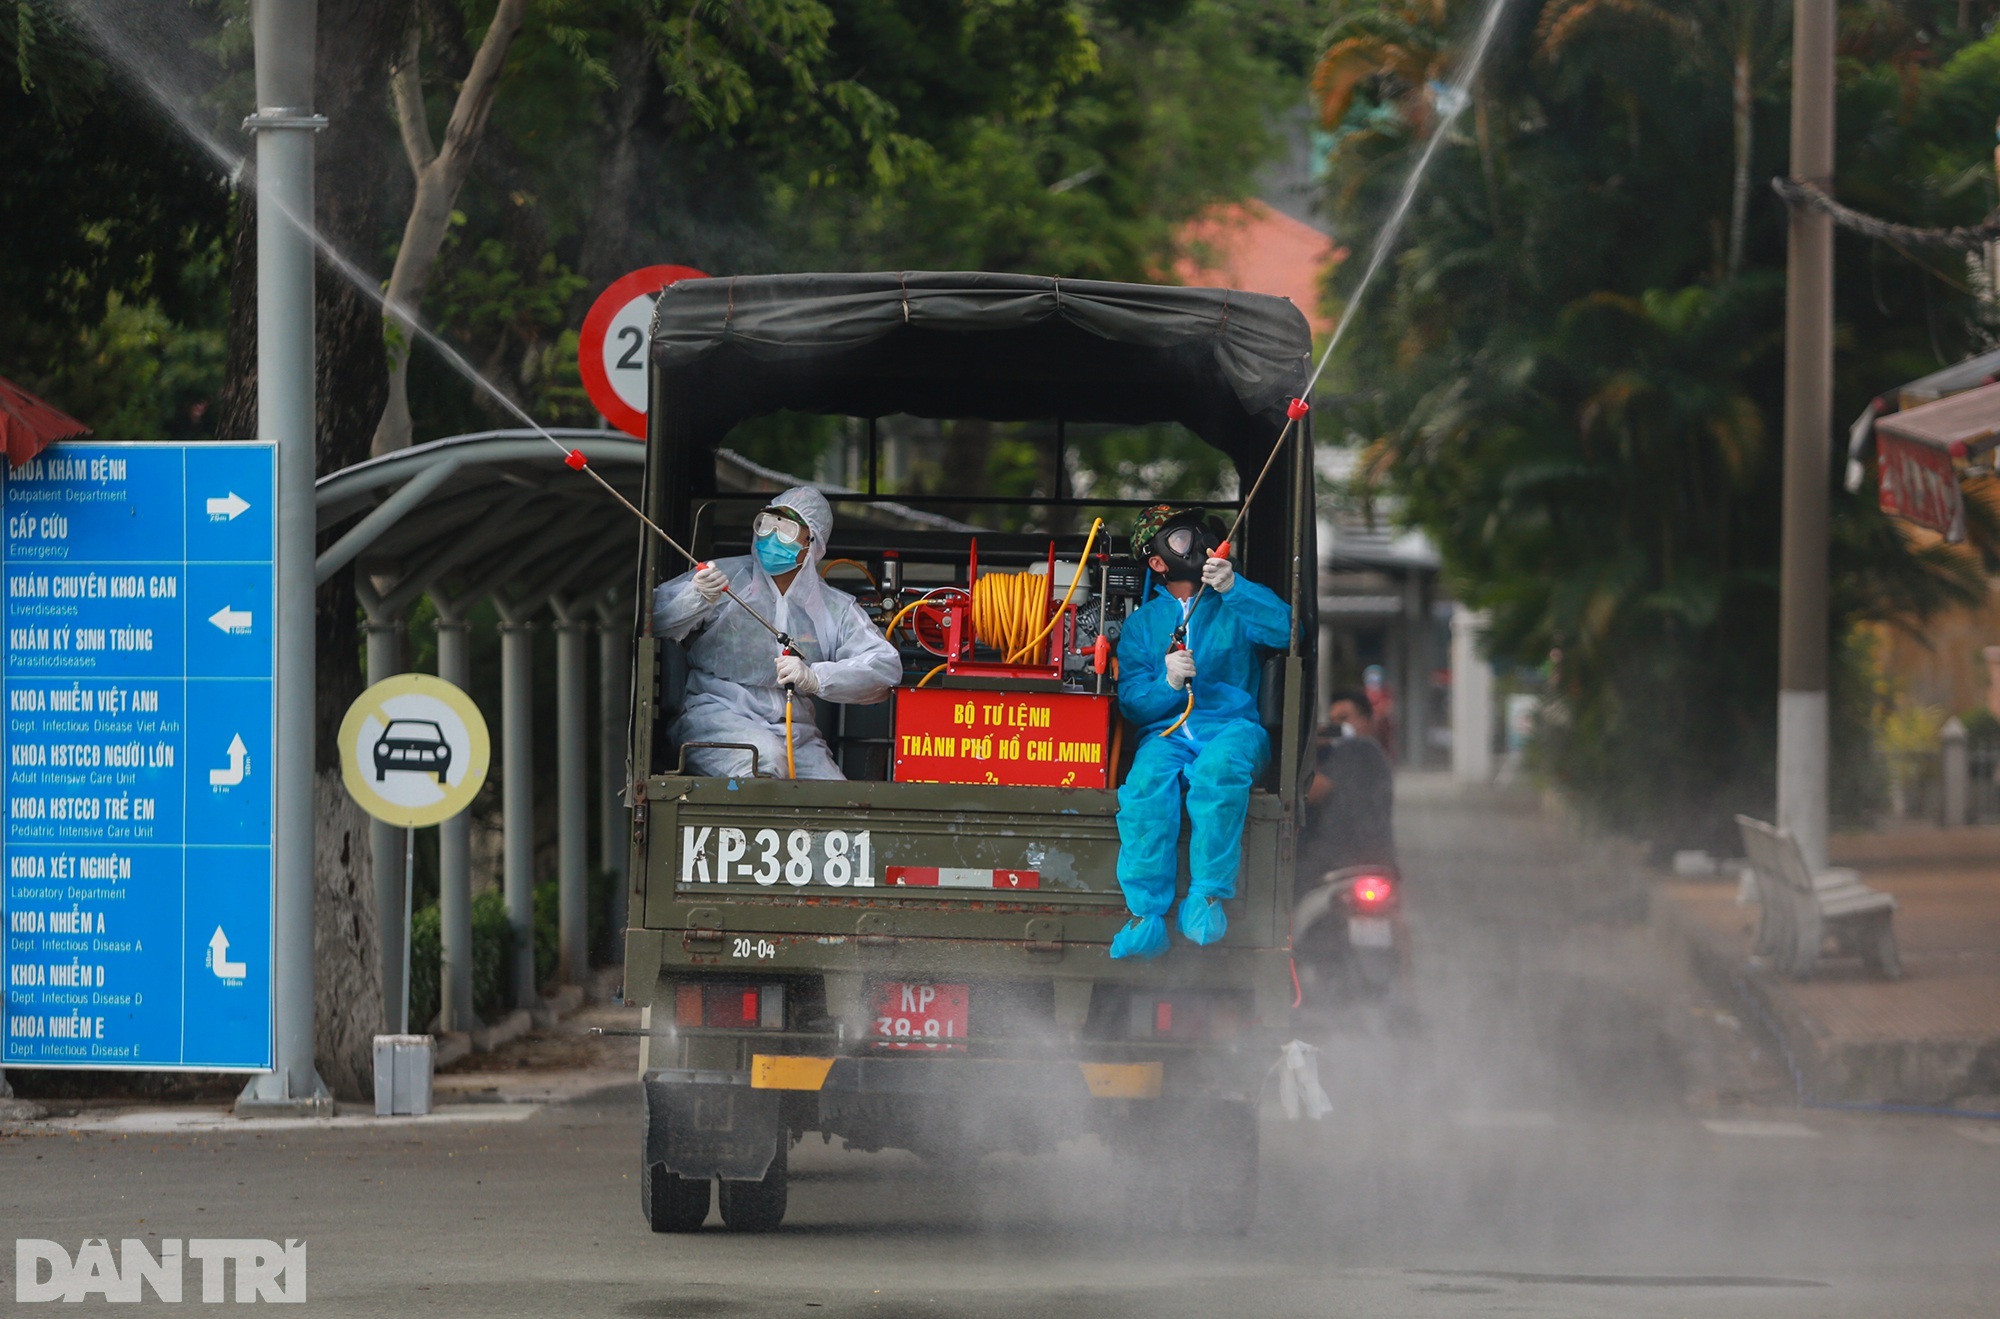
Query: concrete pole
{"points": [[1413, 702], [284, 33], [1802, 611], [386, 841], [1957, 773], [1471, 699], [614, 708], [455, 852], [517, 755], [572, 796]]}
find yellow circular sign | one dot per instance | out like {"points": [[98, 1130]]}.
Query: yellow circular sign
{"points": [[414, 750]]}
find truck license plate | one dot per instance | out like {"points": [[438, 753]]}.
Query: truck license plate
{"points": [[1370, 932], [914, 1016]]}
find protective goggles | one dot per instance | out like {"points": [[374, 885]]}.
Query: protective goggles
{"points": [[1181, 540], [785, 528]]}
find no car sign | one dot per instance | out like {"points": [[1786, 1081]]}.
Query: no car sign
{"points": [[612, 350]]}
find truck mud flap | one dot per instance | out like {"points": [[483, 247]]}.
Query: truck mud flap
{"points": [[716, 1126]]}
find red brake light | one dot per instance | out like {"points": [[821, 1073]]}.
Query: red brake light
{"points": [[1163, 1018], [729, 1006], [1372, 891]]}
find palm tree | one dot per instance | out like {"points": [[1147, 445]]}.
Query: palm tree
{"points": [[1738, 40]]}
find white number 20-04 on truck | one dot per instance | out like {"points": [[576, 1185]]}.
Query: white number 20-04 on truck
{"points": [[713, 854]]}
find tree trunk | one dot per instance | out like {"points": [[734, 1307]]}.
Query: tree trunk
{"points": [[440, 173], [347, 980], [607, 240], [1739, 195]]}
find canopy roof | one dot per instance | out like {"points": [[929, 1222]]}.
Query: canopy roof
{"points": [[1221, 362], [29, 425], [1961, 424], [499, 514]]}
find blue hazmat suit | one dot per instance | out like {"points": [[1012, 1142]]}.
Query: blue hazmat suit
{"points": [[1218, 753], [733, 694]]}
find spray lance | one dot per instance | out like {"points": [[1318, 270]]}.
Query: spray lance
{"points": [[576, 460], [1295, 411]]}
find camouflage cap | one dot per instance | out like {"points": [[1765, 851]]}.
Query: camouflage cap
{"points": [[1147, 525]]}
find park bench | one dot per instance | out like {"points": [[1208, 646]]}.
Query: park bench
{"points": [[1803, 910]]}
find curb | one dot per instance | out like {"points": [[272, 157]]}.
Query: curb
{"points": [[1825, 1070]]}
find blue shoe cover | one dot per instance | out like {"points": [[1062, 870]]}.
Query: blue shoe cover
{"points": [[1143, 936], [1202, 919]]}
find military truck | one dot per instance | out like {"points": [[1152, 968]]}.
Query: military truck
{"points": [[916, 957]]}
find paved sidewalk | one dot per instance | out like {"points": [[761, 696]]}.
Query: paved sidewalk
{"points": [[1931, 1038]]}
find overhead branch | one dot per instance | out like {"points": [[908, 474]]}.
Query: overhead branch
{"points": [[407, 83], [440, 172]]}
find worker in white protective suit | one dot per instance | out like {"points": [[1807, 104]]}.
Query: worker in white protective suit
{"points": [[736, 673]]}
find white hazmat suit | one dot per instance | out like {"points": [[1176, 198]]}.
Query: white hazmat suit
{"points": [[733, 694]]}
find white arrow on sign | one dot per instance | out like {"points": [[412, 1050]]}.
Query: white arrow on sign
{"points": [[228, 508], [239, 765], [218, 958], [234, 621]]}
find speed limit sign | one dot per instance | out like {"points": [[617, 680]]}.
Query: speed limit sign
{"points": [[612, 351]]}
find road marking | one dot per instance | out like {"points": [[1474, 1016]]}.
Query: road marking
{"points": [[1984, 1135], [1756, 1127], [1505, 1120], [209, 1119]]}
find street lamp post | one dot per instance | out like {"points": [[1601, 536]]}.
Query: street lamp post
{"points": [[284, 32]]}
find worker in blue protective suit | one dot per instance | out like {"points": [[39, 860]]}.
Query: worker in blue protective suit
{"points": [[738, 675], [1201, 629]]}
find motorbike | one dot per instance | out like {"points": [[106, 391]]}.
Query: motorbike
{"points": [[1349, 941]]}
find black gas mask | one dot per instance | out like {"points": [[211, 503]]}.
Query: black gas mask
{"points": [[1184, 543]]}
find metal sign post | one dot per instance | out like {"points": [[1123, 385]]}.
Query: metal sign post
{"points": [[413, 751]]}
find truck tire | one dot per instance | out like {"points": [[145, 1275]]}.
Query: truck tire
{"points": [[757, 1206], [1221, 1189], [672, 1203]]}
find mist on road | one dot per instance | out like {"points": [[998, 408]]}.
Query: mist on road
{"points": [[1567, 1127]]}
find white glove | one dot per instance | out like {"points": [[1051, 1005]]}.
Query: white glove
{"points": [[795, 673], [710, 583], [1218, 575], [1180, 668]]}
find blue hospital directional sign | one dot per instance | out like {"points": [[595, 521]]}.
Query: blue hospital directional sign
{"points": [[138, 697]]}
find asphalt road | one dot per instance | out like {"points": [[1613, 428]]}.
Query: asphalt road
{"points": [[1570, 1130]]}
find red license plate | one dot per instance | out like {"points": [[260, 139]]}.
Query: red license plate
{"points": [[919, 1016]]}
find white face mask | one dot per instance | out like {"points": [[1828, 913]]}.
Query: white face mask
{"points": [[1347, 729]]}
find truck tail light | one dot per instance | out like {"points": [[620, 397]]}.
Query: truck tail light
{"points": [[729, 1005], [1184, 1015]]}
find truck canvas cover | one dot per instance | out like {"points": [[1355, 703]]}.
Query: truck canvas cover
{"points": [[1221, 362]]}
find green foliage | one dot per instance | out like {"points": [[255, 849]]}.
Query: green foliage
{"points": [[1561, 381], [492, 950], [111, 297], [548, 919]]}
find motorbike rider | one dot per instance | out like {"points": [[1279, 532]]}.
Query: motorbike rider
{"points": [[737, 675], [1351, 803], [1186, 638]]}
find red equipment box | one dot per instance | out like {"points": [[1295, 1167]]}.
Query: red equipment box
{"points": [[1026, 739]]}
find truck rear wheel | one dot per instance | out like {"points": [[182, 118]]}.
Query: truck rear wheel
{"points": [[1191, 1168], [757, 1206], [1221, 1194], [672, 1203]]}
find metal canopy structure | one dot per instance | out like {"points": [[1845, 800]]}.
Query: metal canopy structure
{"points": [[497, 516], [491, 514]]}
